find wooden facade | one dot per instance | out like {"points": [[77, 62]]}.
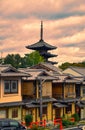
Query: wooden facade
{"points": [[31, 91], [60, 96], [79, 74], [10, 93], [65, 93]]}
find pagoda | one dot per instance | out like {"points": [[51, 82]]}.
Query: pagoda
{"points": [[42, 47]]}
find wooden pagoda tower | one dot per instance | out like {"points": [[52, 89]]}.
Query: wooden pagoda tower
{"points": [[42, 47]]}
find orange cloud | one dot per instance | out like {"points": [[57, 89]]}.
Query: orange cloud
{"points": [[64, 25]]}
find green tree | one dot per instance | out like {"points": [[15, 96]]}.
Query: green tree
{"points": [[65, 65], [9, 59], [33, 58], [28, 60], [13, 59]]}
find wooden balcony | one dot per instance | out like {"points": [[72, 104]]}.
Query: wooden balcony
{"points": [[70, 95], [58, 96]]}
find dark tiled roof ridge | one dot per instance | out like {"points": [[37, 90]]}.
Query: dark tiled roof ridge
{"points": [[41, 43]]}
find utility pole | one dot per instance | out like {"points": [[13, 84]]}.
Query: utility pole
{"points": [[40, 92], [41, 81]]}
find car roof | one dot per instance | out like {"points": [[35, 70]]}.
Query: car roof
{"points": [[6, 119]]}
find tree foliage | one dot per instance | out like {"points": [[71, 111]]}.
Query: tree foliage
{"points": [[28, 60], [28, 119], [65, 65], [33, 58], [76, 116], [13, 59]]}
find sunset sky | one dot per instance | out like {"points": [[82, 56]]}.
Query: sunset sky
{"points": [[63, 23]]}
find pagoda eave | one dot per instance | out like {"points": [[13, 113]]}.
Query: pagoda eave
{"points": [[52, 62], [41, 45], [40, 48], [48, 55]]}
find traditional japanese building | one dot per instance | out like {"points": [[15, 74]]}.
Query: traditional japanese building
{"points": [[42, 47]]}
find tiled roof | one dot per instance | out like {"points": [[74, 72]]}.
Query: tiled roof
{"points": [[28, 104], [80, 70], [4, 67], [48, 67], [37, 74], [45, 100], [67, 79], [59, 105], [14, 74], [19, 103], [69, 100], [8, 70], [80, 104], [41, 44], [31, 105]]}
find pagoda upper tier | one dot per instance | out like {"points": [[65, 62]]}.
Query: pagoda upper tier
{"points": [[42, 47]]}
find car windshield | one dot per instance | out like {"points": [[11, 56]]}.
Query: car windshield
{"points": [[4, 123], [14, 123]]}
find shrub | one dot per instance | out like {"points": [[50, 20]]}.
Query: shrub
{"points": [[34, 127], [65, 123], [76, 117], [28, 119]]}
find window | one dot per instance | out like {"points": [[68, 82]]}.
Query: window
{"points": [[10, 87], [14, 112], [7, 87], [13, 86], [3, 114]]}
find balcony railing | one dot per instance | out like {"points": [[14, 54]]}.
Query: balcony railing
{"points": [[58, 96], [70, 95]]}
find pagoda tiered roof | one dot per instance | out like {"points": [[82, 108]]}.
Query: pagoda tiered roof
{"points": [[47, 55], [42, 47]]}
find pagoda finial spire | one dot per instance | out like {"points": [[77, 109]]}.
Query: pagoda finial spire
{"points": [[41, 33]]}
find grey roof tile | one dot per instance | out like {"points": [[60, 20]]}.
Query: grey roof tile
{"points": [[41, 44], [80, 70]]}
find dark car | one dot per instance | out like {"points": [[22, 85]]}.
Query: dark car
{"points": [[10, 124], [81, 127]]}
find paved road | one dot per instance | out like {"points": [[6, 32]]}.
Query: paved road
{"points": [[69, 129], [81, 127], [74, 128]]}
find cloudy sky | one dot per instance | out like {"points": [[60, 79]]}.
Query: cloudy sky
{"points": [[63, 23]]}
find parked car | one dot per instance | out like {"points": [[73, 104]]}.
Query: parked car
{"points": [[81, 127], [10, 124]]}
